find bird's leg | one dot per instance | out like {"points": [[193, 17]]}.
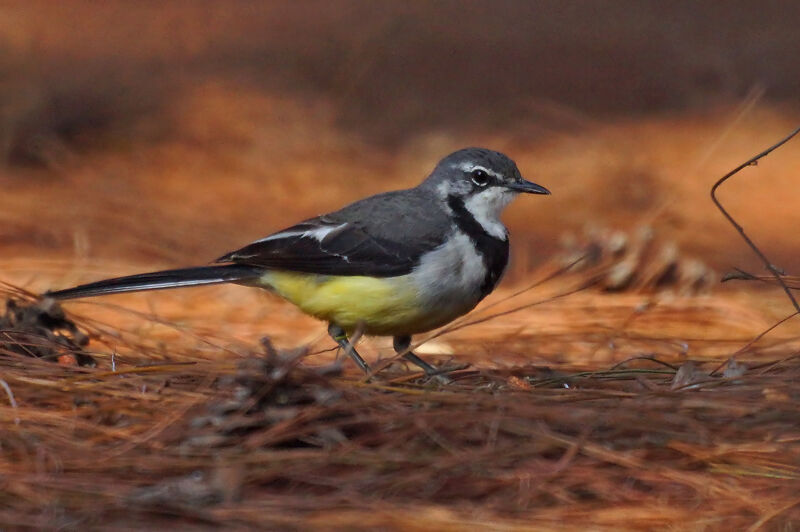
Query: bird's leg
{"points": [[401, 345], [340, 337]]}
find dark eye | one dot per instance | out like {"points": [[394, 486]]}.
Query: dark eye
{"points": [[480, 178]]}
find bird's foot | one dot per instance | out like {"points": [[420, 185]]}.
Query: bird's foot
{"points": [[440, 374]]}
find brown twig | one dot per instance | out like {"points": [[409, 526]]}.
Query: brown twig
{"points": [[776, 272]]}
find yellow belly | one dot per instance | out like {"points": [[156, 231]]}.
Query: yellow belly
{"points": [[383, 306]]}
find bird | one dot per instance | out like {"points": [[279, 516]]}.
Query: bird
{"points": [[396, 264]]}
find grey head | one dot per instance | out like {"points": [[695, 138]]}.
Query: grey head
{"points": [[481, 181]]}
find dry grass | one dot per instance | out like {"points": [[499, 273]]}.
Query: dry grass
{"points": [[202, 434]]}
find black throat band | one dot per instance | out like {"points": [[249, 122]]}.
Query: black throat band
{"points": [[493, 250]]}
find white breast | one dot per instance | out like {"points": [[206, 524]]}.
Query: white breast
{"points": [[449, 278]]}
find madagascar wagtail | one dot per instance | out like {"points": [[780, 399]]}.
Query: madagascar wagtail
{"points": [[394, 264]]}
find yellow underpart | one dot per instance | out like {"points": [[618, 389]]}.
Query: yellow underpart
{"points": [[385, 306]]}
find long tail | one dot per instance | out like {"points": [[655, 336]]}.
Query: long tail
{"points": [[158, 280]]}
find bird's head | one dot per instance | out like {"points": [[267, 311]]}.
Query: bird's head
{"points": [[483, 181]]}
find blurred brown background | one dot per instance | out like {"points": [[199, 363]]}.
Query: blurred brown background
{"points": [[166, 133]]}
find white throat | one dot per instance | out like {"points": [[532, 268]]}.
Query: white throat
{"points": [[486, 207]]}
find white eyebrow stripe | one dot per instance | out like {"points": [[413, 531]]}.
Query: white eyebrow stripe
{"points": [[318, 233], [471, 167]]}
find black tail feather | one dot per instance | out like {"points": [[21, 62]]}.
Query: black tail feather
{"points": [[159, 280]]}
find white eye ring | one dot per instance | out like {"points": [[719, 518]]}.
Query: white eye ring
{"points": [[480, 178]]}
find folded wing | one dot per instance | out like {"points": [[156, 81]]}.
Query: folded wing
{"points": [[332, 247]]}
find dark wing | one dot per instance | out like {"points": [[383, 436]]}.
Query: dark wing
{"points": [[377, 239]]}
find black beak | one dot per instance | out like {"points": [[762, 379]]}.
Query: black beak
{"points": [[527, 187]]}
